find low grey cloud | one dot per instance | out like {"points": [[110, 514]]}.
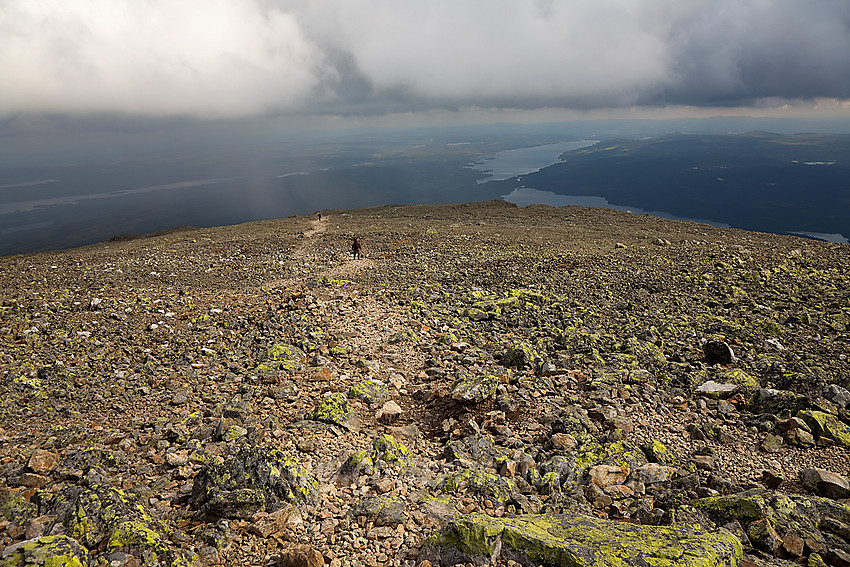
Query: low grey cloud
{"points": [[231, 58]]}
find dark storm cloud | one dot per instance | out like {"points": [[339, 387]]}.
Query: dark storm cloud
{"points": [[230, 58]]}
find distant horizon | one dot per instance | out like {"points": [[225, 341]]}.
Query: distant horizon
{"points": [[144, 188]]}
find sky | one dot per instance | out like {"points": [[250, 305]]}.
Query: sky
{"points": [[249, 59]]}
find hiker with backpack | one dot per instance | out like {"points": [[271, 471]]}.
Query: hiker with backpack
{"points": [[356, 248]]}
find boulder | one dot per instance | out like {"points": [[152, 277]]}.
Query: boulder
{"points": [[479, 483], [335, 409], [254, 479], [474, 389], [98, 515], [371, 391], [838, 395], [387, 449], [759, 511], [718, 352], [578, 541], [714, 389], [826, 425], [47, 550], [825, 483]]}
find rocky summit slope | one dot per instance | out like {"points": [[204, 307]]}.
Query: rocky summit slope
{"points": [[538, 386]]}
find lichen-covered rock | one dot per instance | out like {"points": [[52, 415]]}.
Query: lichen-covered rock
{"points": [[371, 391], [474, 389], [335, 409], [521, 354], [382, 510], [476, 448], [49, 551], [479, 483], [778, 402], [387, 449], [578, 541], [254, 479], [15, 508], [738, 377], [282, 357], [96, 513], [656, 452], [403, 336], [801, 516], [827, 425]]}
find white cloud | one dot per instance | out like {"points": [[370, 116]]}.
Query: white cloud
{"points": [[198, 57], [244, 57]]}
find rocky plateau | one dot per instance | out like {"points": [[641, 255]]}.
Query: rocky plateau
{"points": [[488, 384]]}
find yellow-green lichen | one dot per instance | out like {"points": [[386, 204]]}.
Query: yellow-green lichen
{"points": [[577, 541]]}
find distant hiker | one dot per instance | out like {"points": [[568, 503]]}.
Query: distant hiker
{"points": [[319, 216], [355, 248]]}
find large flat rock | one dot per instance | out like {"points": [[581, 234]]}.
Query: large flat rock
{"points": [[578, 541]]}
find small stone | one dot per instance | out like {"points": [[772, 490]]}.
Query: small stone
{"points": [[300, 556], [274, 523], [606, 475], [41, 461], [177, 458], [771, 479], [564, 441], [704, 462], [771, 444], [389, 413], [714, 389], [653, 473]]}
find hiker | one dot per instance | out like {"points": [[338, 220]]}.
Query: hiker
{"points": [[355, 248], [319, 215]]}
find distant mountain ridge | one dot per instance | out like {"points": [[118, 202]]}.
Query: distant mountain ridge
{"points": [[758, 180]]}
